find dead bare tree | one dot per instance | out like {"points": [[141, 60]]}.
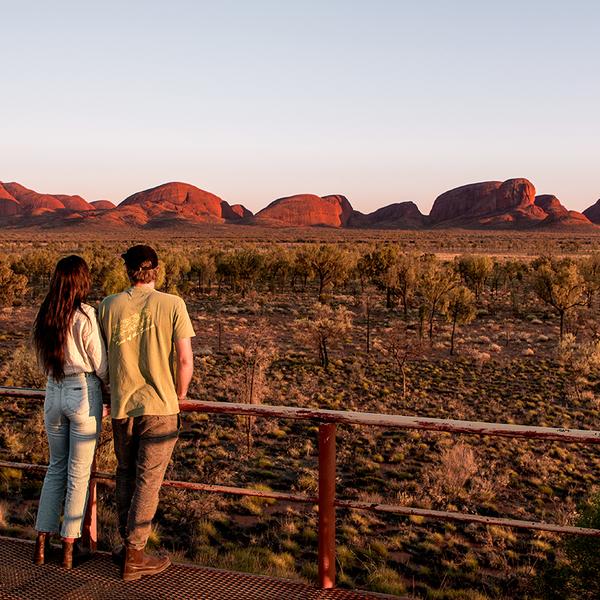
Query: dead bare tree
{"points": [[401, 348], [255, 351]]}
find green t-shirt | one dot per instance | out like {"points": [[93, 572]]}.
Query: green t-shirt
{"points": [[140, 326]]}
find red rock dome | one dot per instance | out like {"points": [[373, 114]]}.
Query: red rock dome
{"points": [[490, 203], [307, 210], [32, 201], [182, 198]]}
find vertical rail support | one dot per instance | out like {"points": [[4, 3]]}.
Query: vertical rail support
{"points": [[90, 522], [326, 557]]}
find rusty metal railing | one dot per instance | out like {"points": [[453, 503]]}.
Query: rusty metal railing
{"points": [[326, 500]]}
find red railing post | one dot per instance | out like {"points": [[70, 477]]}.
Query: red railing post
{"points": [[90, 523], [326, 557]]}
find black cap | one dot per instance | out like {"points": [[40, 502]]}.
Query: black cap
{"points": [[136, 256]]}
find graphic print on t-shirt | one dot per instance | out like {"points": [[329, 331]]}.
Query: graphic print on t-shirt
{"points": [[131, 327]]}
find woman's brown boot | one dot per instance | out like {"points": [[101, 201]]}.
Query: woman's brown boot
{"points": [[67, 554], [42, 548]]}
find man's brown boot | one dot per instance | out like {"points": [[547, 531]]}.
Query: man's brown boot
{"points": [[41, 552], [138, 564]]}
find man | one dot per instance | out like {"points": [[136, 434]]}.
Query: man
{"points": [[146, 332]]}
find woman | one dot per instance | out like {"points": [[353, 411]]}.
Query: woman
{"points": [[72, 354]]}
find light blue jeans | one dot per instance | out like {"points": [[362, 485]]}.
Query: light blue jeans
{"points": [[73, 419]]}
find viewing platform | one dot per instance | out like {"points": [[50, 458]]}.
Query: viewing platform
{"points": [[98, 579]]}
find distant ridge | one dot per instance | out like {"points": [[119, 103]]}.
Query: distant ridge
{"points": [[511, 204]]}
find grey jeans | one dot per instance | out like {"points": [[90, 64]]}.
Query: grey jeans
{"points": [[73, 418], [143, 446]]}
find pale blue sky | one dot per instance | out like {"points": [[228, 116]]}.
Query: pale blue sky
{"points": [[382, 101]]}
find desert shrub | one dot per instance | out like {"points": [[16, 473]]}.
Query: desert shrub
{"points": [[457, 466], [174, 268], [240, 268], [577, 576], [12, 285], [37, 265], [22, 369]]}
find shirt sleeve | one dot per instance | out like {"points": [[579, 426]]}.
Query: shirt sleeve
{"points": [[182, 324], [95, 348]]}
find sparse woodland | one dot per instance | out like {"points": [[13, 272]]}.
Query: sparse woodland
{"points": [[402, 326]]}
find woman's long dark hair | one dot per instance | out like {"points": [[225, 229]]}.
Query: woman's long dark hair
{"points": [[69, 287]]}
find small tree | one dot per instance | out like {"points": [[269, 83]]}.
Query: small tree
{"points": [[559, 284], [328, 262], [366, 302], [324, 328], [377, 266], [407, 273], [277, 268], [474, 271], [113, 277], [202, 265], [515, 276], [436, 281], [460, 310]]}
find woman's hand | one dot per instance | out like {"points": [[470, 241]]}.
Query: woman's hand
{"points": [[105, 400]]}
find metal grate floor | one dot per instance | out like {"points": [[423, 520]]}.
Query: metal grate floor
{"points": [[98, 579]]}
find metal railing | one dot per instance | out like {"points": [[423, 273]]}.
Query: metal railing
{"points": [[326, 500]]}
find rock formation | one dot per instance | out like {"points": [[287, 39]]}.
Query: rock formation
{"points": [[593, 212], [307, 210], [488, 204], [173, 202], [511, 204], [241, 211], [558, 215], [34, 203], [401, 215]]}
